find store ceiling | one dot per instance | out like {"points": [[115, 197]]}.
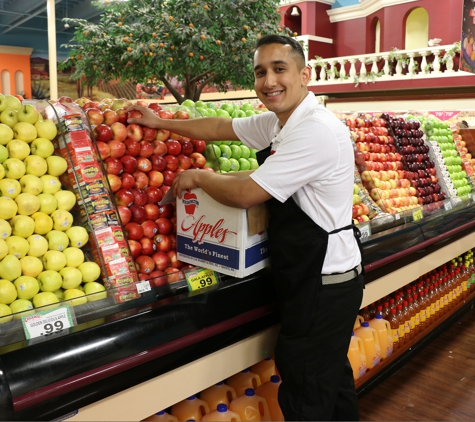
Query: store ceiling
{"points": [[24, 17]]}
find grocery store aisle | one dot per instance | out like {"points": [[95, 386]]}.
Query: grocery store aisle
{"points": [[437, 384]]}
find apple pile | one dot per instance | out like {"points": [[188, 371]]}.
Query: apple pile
{"points": [[41, 260], [229, 156], [225, 109], [360, 212]]}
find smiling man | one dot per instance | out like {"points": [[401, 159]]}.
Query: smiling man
{"points": [[306, 177]]}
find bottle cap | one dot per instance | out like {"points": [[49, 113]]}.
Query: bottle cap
{"points": [[222, 408], [245, 370], [393, 311], [162, 412], [249, 392], [276, 379], [379, 316], [193, 397], [365, 324], [220, 383]]}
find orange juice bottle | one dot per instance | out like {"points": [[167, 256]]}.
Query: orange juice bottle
{"points": [[219, 393], [265, 369], [250, 407], [191, 408], [383, 329], [269, 391], [221, 413], [242, 380], [162, 416], [371, 344], [394, 322], [357, 356], [358, 321]]}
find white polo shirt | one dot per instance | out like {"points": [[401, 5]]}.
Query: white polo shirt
{"points": [[313, 161]]}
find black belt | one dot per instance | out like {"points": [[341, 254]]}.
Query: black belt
{"points": [[341, 278]]}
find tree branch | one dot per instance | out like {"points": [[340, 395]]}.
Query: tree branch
{"points": [[198, 77], [173, 91], [202, 85]]}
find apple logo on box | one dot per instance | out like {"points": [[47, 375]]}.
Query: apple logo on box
{"points": [[190, 202]]}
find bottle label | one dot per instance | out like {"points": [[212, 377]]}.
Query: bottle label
{"points": [[465, 285], [362, 370], [377, 359], [407, 327], [428, 313], [412, 322], [437, 305], [451, 296], [446, 300], [423, 315], [459, 290], [395, 333], [418, 319], [401, 331], [390, 350], [432, 309]]}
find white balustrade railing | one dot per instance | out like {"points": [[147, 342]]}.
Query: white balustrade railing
{"points": [[428, 62]]}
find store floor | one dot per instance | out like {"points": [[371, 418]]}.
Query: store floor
{"points": [[437, 384]]}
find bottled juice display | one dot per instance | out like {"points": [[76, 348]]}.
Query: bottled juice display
{"points": [[265, 369], [383, 329], [357, 356], [221, 413], [417, 312], [429, 318], [162, 416], [250, 407], [269, 391], [394, 323], [242, 380], [401, 320], [219, 393], [407, 321], [371, 344], [190, 408]]}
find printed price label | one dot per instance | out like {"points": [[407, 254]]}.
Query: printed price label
{"points": [[47, 322], [417, 215], [365, 230], [143, 286], [200, 278], [447, 206]]}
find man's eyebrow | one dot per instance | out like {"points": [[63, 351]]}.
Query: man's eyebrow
{"points": [[259, 66]]}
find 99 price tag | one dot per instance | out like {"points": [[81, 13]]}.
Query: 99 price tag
{"points": [[47, 322], [200, 278], [417, 215], [365, 230]]}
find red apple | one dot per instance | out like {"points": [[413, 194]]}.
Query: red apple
{"points": [[155, 106], [184, 162], [149, 133], [95, 116], [174, 261], [154, 194], [122, 115], [181, 114], [162, 260], [90, 104], [135, 248], [173, 147], [124, 197], [140, 197], [128, 181], [135, 114], [172, 237], [133, 231], [65, 99], [155, 178], [132, 147], [148, 246], [104, 150], [125, 214], [110, 116], [174, 275], [113, 166], [164, 225], [164, 114], [163, 242], [167, 210], [152, 210], [144, 164], [172, 162], [159, 147], [198, 160], [119, 131], [187, 147], [168, 177], [129, 163], [138, 214], [199, 145], [134, 131], [117, 148], [158, 162], [150, 229], [141, 179], [145, 264], [164, 189], [162, 135], [115, 182], [146, 149], [103, 133]]}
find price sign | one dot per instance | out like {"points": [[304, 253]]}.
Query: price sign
{"points": [[143, 286], [417, 215], [200, 278], [448, 206], [365, 230], [47, 322]]}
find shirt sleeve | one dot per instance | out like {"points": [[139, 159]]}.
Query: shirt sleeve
{"points": [[256, 131]]}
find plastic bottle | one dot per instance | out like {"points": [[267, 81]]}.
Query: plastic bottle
{"points": [[417, 312], [357, 356], [242, 380], [219, 393], [407, 321], [162, 416], [358, 321], [365, 313], [429, 318], [412, 313], [372, 311], [250, 407], [464, 280], [401, 319], [423, 309], [269, 391], [265, 369], [394, 323], [190, 408], [371, 344], [383, 329], [386, 310], [221, 413]]}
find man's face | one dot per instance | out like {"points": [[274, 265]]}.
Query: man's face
{"points": [[278, 82]]}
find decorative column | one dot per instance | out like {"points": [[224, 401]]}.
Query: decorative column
{"points": [[386, 65], [424, 71], [342, 69], [352, 68], [436, 62]]}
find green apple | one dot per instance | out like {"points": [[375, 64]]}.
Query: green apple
{"points": [[247, 106], [21, 307], [57, 240], [28, 113], [234, 164], [236, 143], [35, 165], [17, 246], [48, 202], [59, 294], [71, 277], [222, 113], [22, 225], [5, 313], [49, 281], [31, 266], [74, 256], [224, 164], [38, 245], [31, 184], [90, 271], [211, 105], [42, 147], [253, 162], [356, 189], [51, 184], [12, 102], [225, 151], [3, 249], [94, 291], [25, 131], [10, 188], [43, 222], [188, 103], [75, 297], [27, 287], [54, 260], [78, 236], [5, 229], [66, 199], [227, 107], [249, 113], [244, 164], [8, 292], [9, 117], [45, 299], [14, 168], [212, 152], [212, 112], [27, 203], [62, 220], [56, 165], [202, 111], [238, 113], [6, 134], [236, 151], [8, 208], [245, 151], [217, 142], [200, 103], [3, 156], [46, 129]]}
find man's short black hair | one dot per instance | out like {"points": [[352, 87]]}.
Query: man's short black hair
{"points": [[279, 39]]}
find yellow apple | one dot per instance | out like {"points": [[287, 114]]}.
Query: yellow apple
{"points": [[28, 113], [94, 291], [78, 236], [31, 266], [54, 260], [9, 117], [27, 287], [46, 129], [2, 169], [57, 240], [59, 294], [27, 203], [10, 268], [43, 222], [75, 297], [45, 299], [8, 208], [35, 165], [51, 184], [31, 184], [17, 246], [10, 101], [48, 202], [62, 220], [22, 226], [3, 249], [90, 271], [50, 281], [72, 277], [42, 147], [25, 131], [74, 256], [38, 245], [6, 134], [14, 168], [66, 199], [8, 292], [5, 313], [56, 165], [5, 229], [18, 149], [21, 307], [10, 188]]}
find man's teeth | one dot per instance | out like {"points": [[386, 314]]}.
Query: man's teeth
{"points": [[273, 94]]}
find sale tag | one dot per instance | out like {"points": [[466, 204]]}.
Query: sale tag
{"points": [[448, 206], [417, 215], [47, 322], [143, 286], [457, 200], [365, 230], [200, 278]]}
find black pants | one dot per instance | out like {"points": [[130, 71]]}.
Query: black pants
{"points": [[317, 380]]}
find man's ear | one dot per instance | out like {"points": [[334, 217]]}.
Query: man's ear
{"points": [[306, 75]]}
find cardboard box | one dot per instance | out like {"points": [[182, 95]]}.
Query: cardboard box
{"points": [[231, 241]]}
